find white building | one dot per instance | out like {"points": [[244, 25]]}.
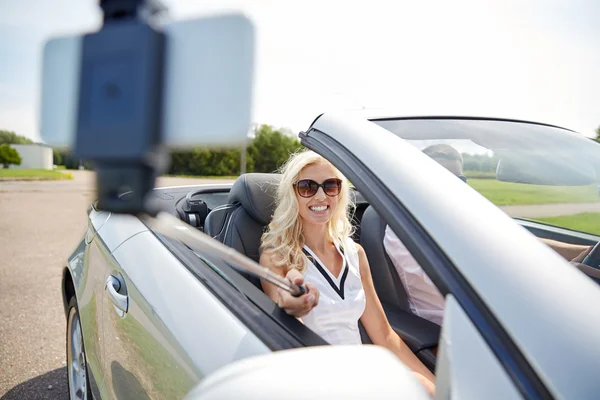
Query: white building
{"points": [[33, 156]]}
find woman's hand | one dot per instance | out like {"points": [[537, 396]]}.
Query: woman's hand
{"points": [[582, 255], [578, 261], [297, 306]]}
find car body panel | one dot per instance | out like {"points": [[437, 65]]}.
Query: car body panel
{"points": [[84, 275], [90, 290], [116, 230], [87, 266], [509, 269], [175, 331], [97, 218], [466, 367]]}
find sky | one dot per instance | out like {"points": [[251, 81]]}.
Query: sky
{"points": [[527, 59]]}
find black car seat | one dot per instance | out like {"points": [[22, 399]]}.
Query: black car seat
{"points": [[387, 283], [420, 335], [241, 223]]}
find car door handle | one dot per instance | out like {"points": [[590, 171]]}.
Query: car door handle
{"points": [[113, 286]]}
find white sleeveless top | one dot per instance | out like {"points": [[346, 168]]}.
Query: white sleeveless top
{"points": [[342, 299]]}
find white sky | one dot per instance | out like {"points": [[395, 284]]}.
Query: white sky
{"points": [[530, 59]]}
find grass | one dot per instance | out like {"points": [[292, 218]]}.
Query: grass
{"points": [[60, 167], [584, 222], [34, 174], [480, 175], [505, 193]]}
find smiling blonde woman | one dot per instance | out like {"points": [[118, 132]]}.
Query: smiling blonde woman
{"points": [[308, 241]]}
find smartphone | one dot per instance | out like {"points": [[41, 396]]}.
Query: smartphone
{"points": [[207, 85]]}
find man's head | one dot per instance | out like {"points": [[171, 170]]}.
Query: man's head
{"points": [[447, 156]]}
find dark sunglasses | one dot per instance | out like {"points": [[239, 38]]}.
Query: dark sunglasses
{"points": [[308, 188]]}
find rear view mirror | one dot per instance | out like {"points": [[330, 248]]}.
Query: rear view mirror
{"points": [[545, 169]]}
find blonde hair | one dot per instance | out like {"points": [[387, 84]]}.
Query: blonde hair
{"points": [[284, 236]]}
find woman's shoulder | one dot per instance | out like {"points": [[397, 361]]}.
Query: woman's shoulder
{"points": [[276, 261], [351, 246], [268, 258]]}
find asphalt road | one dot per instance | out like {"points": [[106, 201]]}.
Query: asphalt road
{"points": [[40, 225]]}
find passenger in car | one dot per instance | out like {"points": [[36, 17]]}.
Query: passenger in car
{"points": [[309, 240], [423, 297]]}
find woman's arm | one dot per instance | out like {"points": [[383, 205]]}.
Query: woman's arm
{"points": [[379, 329], [295, 306], [566, 250]]}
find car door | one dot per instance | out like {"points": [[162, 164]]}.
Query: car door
{"points": [[494, 341], [163, 329], [87, 270]]}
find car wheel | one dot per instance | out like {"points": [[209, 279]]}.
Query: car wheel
{"points": [[76, 360]]}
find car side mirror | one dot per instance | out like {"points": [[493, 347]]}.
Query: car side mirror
{"points": [[325, 372], [545, 169]]}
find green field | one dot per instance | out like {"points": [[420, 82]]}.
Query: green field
{"points": [[34, 174], [505, 193], [584, 222], [481, 175]]}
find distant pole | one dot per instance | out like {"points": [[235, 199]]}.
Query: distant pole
{"points": [[243, 159], [251, 135]]}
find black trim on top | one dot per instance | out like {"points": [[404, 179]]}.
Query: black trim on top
{"points": [[316, 263], [467, 118], [254, 309], [434, 261]]}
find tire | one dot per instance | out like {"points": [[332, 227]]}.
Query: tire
{"points": [[77, 374]]}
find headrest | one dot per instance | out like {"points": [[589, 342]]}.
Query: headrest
{"points": [[256, 193]]}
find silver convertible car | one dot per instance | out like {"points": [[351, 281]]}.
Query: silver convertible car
{"points": [[154, 313]]}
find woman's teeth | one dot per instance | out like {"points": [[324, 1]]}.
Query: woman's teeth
{"points": [[318, 208]]}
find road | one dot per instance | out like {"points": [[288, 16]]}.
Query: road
{"points": [[40, 225], [550, 210]]}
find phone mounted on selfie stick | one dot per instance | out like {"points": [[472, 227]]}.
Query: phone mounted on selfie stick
{"points": [[122, 96]]}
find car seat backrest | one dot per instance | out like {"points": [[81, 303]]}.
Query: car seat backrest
{"points": [[242, 222], [387, 283], [217, 220]]}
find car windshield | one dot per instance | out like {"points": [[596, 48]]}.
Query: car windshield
{"points": [[531, 171]]}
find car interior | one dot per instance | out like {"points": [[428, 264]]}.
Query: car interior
{"points": [[237, 215]]}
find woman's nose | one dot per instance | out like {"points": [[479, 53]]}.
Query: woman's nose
{"points": [[320, 193]]}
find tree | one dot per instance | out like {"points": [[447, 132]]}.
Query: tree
{"points": [[270, 149], [206, 162], [9, 137], [8, 156], [265, 153], [62, 156], [57, 157], [479, 162]]}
